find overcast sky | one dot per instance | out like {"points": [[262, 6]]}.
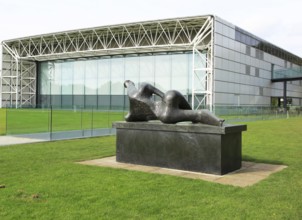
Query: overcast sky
{"points": [[277, 21]]}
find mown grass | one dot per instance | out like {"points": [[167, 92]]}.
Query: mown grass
{"points": [[2, 121], [23, 121], [42, 181]]}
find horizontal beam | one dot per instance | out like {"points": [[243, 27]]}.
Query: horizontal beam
{"points": [[107, 52], [162, 35], [286, 79]]}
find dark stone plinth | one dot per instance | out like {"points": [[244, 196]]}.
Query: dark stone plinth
{"points": [[184, 146]]}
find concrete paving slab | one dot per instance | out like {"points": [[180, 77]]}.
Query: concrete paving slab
{"points": [[12, 140], [249, 174]]}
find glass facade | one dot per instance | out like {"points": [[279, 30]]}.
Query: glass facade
{"points": [[253, 41], [244, 66], [98, 82]]}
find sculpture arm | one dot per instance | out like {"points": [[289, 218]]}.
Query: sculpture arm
{"points": [[158, 92], [145, 89], [148, 90]]}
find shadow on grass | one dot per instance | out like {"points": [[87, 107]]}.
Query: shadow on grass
{"points": [[256, 160]]}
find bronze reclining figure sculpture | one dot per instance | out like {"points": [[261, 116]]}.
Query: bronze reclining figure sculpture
{"points": [[171, 108]]}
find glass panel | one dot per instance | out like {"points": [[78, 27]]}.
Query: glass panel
{"points": [[56, 101], [78, 77], [179, 72], [200, 64], [163, 72], [99, 82], [67, 76], [104, 102], [67, 101], [90, 101], [190, 72], [56, 79], [117, 76], [44, 86], [78, 100], [117, 102], [104, 77], [132, 69], [104, 84], [146, 67], [91, 77]]}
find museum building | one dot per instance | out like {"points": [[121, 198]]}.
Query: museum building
{"points": [[212, 62]]}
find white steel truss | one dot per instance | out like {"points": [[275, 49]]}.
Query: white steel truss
{"points": [[180, 34], [18, 80], [27, 83], [202, 76], [9, 77]]}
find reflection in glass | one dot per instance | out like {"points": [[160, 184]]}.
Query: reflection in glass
{"points": [[179, 67], [104, 76], [117, 76], [44, 89], [56, 79], [67, 78], [146, 69], [91, 77], [78, 77], [98, 82], [163, 72]]}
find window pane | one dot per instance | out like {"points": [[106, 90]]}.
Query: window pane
{"points": [[99, 81], [56, 82], [104, 77], [180, 72], [91, 77], [132, 69], [67, 75], [79, 78], [44, 87], [146, 67], [117, 76], [163, 72]]}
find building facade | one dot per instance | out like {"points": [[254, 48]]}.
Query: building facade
{"points": [[212, 62]]}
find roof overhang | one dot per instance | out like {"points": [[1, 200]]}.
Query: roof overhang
{"points": [[178, 34]]}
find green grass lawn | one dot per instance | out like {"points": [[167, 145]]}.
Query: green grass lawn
{"points": [[42, 181], [22, 121], [2, 121], [25, 121]]}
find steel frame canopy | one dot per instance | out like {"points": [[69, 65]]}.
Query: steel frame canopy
{"points": [[20, 56]]}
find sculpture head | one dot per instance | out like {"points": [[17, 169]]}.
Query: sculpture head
{"points": [[127, 83]]}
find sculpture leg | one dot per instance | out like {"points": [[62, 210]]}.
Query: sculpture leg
{"points": [[172, 116], [174, 99], [206, 117]]}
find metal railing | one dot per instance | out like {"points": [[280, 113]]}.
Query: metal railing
{"points": [[58, 123], [254, 113], [66, 123]]}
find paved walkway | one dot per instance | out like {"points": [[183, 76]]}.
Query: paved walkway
{"points": [[54, 136], [12, 140], [249, 174]]}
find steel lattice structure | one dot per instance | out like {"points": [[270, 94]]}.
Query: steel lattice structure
{"points": [[20, 56]]}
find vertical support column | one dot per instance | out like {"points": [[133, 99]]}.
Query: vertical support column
{"points": [[202, 74], [210, 78], [193, 80], [285, 95], [51, 68], [10, 77], [17, 82], [210, 59], [203, 66], [27, 83]]}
